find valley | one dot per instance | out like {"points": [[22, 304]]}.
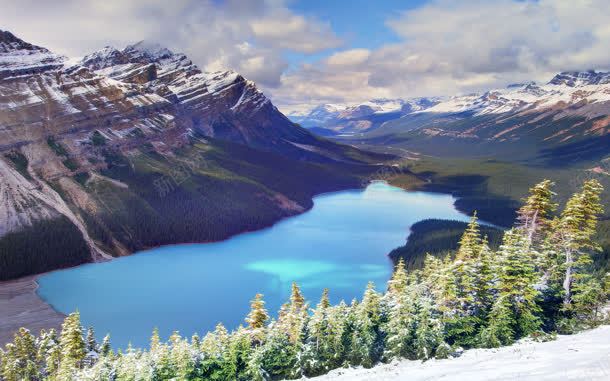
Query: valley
{"points": [[341, 243], [288, 190]]}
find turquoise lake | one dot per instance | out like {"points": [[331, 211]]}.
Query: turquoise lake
{"points": [[341, 243]]}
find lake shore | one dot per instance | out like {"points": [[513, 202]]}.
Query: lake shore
{"points": [[20, 306]]}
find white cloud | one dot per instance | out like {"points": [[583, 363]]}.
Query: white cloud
{"points": [[349, 57], [449, 47], [248, 36]]}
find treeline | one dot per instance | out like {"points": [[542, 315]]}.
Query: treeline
{"points": [[538, 283], [438, 238]]}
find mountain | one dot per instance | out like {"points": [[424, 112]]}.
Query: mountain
{"points": [[134, 148], [366, 116], [563, 121]]}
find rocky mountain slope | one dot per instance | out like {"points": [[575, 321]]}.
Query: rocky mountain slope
{"points": [[352, 118], [566, 119], [138, 147]]}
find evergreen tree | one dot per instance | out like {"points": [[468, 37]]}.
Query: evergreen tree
{"points": [[516, 285], [238, 354], [215, 348], [397, 285], [429, 331], [319, 349], [367, 342], [73, 347], [535, 215], [499, 331], [105, 348], [470, 243], [575, 230], [257, 318], [294, 315], [275, 359], [19, 362], [461, 309], [91, 348], [184, 366], [400, 326], [51, 354], [485, 281]]}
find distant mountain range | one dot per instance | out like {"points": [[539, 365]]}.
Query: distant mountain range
{"points": [[567, 118], [133, 148], [366, 116]]}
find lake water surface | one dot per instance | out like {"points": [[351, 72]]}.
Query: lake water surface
{"points": [[341, 243]]}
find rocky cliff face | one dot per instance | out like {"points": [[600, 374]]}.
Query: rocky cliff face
{"points": [[221, 104], [128, 147]]}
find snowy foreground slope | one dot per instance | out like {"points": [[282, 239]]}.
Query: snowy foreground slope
{"points": [[585, 356]]}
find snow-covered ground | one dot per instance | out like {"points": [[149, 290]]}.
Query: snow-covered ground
{"points": [[585, 356]]}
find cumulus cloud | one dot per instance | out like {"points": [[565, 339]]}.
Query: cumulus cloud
{"points": [[349, 57], [453, 47], [248, 36]]}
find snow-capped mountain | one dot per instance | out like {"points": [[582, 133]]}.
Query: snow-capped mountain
{"points": [[360, 117], [567, 116], [564, 89], [63, 123], [18, 57]]}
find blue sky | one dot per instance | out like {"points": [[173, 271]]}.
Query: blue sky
{"points": [[303, 53], [359, 23]]}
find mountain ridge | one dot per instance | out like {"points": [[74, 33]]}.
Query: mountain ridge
{"points": [[135, 148]]}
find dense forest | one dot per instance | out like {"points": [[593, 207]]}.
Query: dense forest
{"points": [[201, 192], [439, 238], [538, 283], [58, 243]]}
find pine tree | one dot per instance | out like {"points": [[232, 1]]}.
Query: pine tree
{"points": [[319, 347], [485, 282], [105, 348], [429, 331], [499, 331], [19, 362], [183, 363], [155, 340], [516, 285], [400, 326], [91, 348], [73, 347], [294, 313], [275, 359], [534, 216], [214, 348], [470, 242], [461, 309], [51, 354], [235, 367], [257, 318], [575, 230], [367, 342], [397, 285]]}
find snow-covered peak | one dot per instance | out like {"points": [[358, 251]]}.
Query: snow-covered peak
{"points": [[565, 89], [149, 50], [105, 57], [581, 78], [18, 57]]}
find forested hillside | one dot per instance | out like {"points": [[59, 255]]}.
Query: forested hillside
{"points": [[539, 282]]}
